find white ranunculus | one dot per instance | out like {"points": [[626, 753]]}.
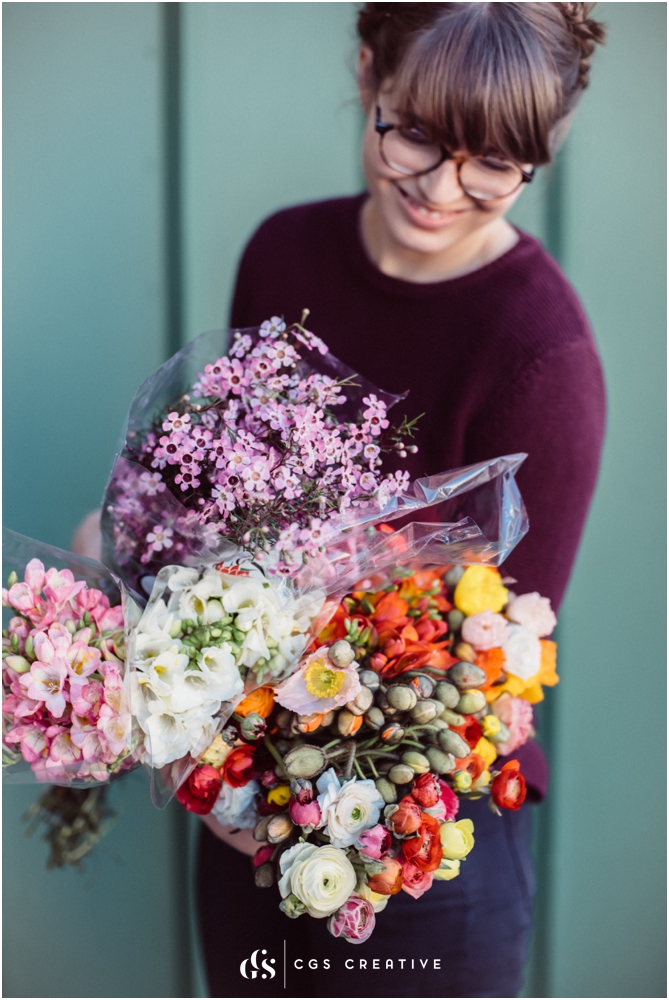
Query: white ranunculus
{"points": [[522, 650], [322, 878], [237, 806], [534, 612], [348, 809], [218, 665]]}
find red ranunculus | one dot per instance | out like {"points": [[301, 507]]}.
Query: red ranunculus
{"points": [[406, 819], [388, 882], [263, 854], [424, 851], [200, 790], [238, 767], [426, 790], [474, 764], [508, 788]]}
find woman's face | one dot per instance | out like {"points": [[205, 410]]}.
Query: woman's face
{"points": [[426, 214]]}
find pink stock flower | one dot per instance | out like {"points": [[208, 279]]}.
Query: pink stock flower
{"points": [[485, 630], [518, 716], [375, 842], [354, 921]]}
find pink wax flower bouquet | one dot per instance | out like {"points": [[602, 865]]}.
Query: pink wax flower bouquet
{"points": [[257, 453]]}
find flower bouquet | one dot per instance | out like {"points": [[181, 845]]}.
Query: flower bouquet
{"points": [[244, 502], [351, 769], [66, 704]]}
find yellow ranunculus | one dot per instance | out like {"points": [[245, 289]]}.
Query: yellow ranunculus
{"points": [[279, 795], [378, 901], [216, 752], [531, 689], [480, 589], [447, 870], [482, 781], [462, 781], [457, 839], [484, 748]]}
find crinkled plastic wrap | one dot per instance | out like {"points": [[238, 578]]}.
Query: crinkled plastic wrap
{"points": [[77, 663], [469, 515]]}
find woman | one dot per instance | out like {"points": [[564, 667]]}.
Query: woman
{"points": [[421, 284]]}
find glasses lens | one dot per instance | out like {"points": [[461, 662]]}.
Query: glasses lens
{"points": [[408, 152], [485, 179]]}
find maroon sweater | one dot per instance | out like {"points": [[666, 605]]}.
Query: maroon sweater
{"points": [[501, 360]]}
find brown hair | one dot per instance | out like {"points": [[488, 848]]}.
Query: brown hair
{"points": [[485, 77]]}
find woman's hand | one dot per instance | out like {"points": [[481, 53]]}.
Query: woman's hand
{"points": [[87, 539], [242, 840]]}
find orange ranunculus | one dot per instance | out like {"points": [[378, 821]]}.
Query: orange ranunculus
{"points": [[491, 661], [260, 701], [424, 850], [389, 881], [391, 612], [474, 765], [238, 767], [430, 629]]}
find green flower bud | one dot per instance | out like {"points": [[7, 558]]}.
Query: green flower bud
{"points": [[292, 906], [387, 790], [341, 653], [401, 774], [418, 762], [12, 578], [401, 697], [452, 578], [452, 718], [466, 676], [14, 642], [455, 619], [29, 647], [374, 718], [279, 828], [175, 629], [305, 762], [442, 763], [18, 664], [253, 726], [447, 694], [471, 702], [425, 711], [451, 742], [265, 876]]}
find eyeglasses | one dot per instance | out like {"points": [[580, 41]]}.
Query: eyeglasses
{"points": [[483, 178]]}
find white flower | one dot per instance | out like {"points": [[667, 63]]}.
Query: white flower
{"points": [[534, 612], [321, 877], [522, 650], [167, 738], [237, 806], [317, 685], [163, 671], [218, 665], [183, 577], [348, 809], [194, 689]]}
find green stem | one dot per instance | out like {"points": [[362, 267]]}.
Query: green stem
{"points": [[332, 743], [358, 769], [273, 750], [373, 769]]}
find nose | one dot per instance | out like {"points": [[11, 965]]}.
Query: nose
{"points": [[441, 186]]}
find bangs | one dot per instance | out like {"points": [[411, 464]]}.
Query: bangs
{"points": [[479, 79]]}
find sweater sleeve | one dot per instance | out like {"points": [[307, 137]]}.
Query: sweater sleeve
{"points": [[556, 413]]}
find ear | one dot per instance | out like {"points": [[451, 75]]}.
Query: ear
{"points": [[366, 86]]}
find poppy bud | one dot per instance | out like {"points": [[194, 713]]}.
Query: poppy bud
{"points": [[341, 653], [279, 828], [252, 727], [401, 697]]}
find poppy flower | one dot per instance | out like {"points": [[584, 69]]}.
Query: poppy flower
{"points": [[424, 850], [508, 788], [238, 767], [471, 731]]}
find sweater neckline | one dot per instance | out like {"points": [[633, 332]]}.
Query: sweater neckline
{"points": [[414, 289]]}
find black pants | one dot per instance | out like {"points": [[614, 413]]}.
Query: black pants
{"points": [[464, 938]]}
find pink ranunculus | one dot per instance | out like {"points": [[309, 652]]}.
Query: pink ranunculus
{"points": [[534, 612], [485, 630], [34, 575], [354, 921], [375, 842], [450, 800], [415, 881], [21, 597], [518, 716], [308, 814], [47, 681]]}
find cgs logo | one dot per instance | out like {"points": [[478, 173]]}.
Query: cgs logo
{"points": [[266, 964]]}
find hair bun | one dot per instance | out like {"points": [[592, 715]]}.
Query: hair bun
{"points": [[587, 33]]}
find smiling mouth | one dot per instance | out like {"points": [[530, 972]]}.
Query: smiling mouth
{"points": [[434, 215]]}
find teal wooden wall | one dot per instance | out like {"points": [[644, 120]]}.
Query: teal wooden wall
{"points": [[101, 275]]}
